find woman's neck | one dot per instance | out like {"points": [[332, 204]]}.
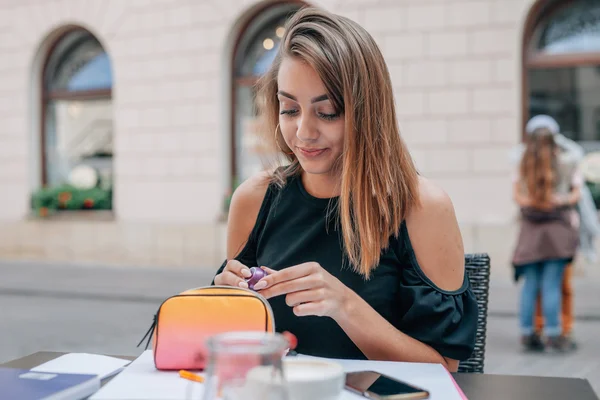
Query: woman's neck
{"points": [[323, 186]]}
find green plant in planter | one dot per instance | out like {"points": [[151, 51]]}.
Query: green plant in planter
{"points": [[49, 200]]}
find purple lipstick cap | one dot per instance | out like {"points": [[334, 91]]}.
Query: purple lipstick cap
{"points": [[257, 275]]}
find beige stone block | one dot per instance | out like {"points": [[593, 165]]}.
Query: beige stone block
{"points": [[448, 102], [467, 232], [196, 89], [129, 166], [498, 241], [461, 192], [84, 239], [426, 74], [406, 46], [384, 18], [492, 196], [205, 165], [468, 13], [428, 131], [448, 160], [137, 200], [183, 166], [128, 118], [184, 115], [444, 44], [491, 159], [396, 71], [169, 244], [494, 41], [207, 113], [143, 46], [181, 16], [203, 246], [420, 158], [56, 240], [9, 238], [136, 243], [203, 12], [169, 142], [509, 11], [506, 130], [155, 167], [495, 101], [15, 200], [470, 130], [410, 103], [110, 235], [469, 72], [143, 143], [506, 70], [195, 142], [157, 117], [424, 17], [170, 200], [355, 15], [171, 91]]}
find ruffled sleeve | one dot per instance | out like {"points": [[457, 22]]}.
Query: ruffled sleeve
{"points": [[444, 320]]}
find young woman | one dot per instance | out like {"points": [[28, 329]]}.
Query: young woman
{"points": [[547, 190], [365, 258]]}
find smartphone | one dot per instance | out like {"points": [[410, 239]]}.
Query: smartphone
{"points": [[373, 385]]}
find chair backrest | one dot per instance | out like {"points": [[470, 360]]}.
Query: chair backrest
{"points": [[478, 271]]}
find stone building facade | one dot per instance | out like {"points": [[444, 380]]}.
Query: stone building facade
{"points": [[177, 81]]}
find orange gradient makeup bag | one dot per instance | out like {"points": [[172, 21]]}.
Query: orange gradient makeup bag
{"points": [[184, 322]]}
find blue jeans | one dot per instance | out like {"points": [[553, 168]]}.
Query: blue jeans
{"points": [[547, 276]]}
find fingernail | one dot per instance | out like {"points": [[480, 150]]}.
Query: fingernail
{"points": [[243, 285], [246, 273], [260, 285]]}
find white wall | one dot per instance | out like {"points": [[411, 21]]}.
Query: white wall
{"points": [[455, 68]]}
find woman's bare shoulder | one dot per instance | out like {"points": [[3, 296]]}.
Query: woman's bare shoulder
{"points": [[435, 236]]}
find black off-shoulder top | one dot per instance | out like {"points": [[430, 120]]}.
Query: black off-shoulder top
{"points": [[294, 227]]}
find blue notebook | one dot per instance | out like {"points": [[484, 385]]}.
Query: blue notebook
{"points": [[23, 384]]}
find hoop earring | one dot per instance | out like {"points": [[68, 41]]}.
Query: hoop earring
{"points": [[277, 142]]}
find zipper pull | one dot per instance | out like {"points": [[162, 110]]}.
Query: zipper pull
{"points": [[149, 333]]}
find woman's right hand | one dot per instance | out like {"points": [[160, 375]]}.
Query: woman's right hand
{"points": [[233, 275]]}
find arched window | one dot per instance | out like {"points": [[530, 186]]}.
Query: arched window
{"points": [[562, 67], [77, 126], [254, 52]]}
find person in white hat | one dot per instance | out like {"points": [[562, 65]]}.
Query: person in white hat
{"points": [[571, 154]]}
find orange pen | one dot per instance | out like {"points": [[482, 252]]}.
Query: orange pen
{"points": [[190, 376]]}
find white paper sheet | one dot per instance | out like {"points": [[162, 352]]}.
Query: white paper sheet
{"points": [[84, 363], [141, 380], [432, 377]]}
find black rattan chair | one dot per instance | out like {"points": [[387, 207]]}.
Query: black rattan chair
{"points": [[478, 270]]}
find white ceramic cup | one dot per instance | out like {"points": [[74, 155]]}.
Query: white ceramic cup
{"points": [[304, 379]]}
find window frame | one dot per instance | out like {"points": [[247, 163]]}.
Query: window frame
{"points": [[47, 96], [539, 13], [246, 81]]}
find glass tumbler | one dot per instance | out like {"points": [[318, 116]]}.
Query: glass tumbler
{"points": [[245, 366]]}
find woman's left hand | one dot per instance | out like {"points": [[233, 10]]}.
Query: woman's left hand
{"points": [[309, 290]]}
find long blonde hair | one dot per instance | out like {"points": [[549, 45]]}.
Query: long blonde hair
{"points": [[538, 168], [379, 182]]}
